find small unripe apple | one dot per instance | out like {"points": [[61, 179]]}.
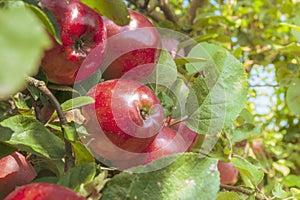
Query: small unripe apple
{"points": [[228, 172], [132, 50], [83, 37], [43, 191], [15, 170], [167, 142], [126, 115]]}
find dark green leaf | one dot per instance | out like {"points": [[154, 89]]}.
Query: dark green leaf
{"points": [[29, 134], [78, 175], [82, 154], [6, 149], [246, 131]]}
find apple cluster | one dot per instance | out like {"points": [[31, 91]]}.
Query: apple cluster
{"points": [[126, 124]]}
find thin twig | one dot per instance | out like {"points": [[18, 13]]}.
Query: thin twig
{"points": [[238, 189], [37, 110], [41, 86], [169, 13]]}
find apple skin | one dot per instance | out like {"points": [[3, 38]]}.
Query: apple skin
{"points": [[15, 171], [167, 142], [126, 115], [43, 191], [133, 50], [190, 137], [228, 173], [83, 36]]}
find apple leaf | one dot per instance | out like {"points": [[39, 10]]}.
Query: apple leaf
{"points": [[46, 17], [248, 171], [183, 61], [74, 103], [245, 131], [219, 93], [6, 150], [187, 177], [181, 92], [279, 192], [165, 73], [115, 10], [229, 196], [293, 96], [78, 175], [82, 154], [23, 40], [30, 135]]}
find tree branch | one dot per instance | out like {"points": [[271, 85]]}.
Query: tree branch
{"points": [[169, 13], [238, 189], [194, 5], [41, 86]]}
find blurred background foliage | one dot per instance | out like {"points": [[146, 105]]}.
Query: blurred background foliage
{"points": [[265, 37]]}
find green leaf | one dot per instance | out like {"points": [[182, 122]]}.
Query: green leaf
{"points": [[23, 41], [279, 192], [70, 133], [114, 10], [181, 92], [293, 96], [188, 177], [295, 192], [248, 170], [229, 196], [6, 150], [29, 134], [82, 154], [183, 61], [46, 17], [78, 175], [224, 77], [292, 180], [74, 103], [246, 131], [165, 73]]}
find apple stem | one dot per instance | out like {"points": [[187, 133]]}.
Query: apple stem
{"points": [[178, 121], [144, 114], [41, 86]]}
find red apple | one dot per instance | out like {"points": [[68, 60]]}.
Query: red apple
{"points": [[190, 137], [258, 146], [83, 36], [167, 142], [15, 170], [228, 173], [126, 115], [132, 50], [43, 191]]}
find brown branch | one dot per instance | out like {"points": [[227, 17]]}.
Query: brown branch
{"points": [[169, 13], [238, 189], [37, 110], [191, 13], [41, 86]]}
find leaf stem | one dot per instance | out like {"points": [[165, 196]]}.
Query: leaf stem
{"points": [[238, 189], [41, 86]]}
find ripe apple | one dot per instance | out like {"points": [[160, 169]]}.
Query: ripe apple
{"points": [[258, 146], [190, 137], [43, 191], [167, 142], [126, 115], [83, 36], [228, 172], [132, 50], [15, 171]]}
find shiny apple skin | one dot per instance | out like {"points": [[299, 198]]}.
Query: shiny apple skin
{"points": [[133, 49], [167, 142], [125, 112], [228, 173], [83, 36], [43, 191], [15, 170], [190, 137]]}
